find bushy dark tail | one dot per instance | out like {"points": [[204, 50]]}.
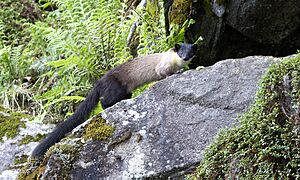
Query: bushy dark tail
{"points": [[80, 115]]}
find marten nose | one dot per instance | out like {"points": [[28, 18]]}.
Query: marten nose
{"points": [[186, 58]]}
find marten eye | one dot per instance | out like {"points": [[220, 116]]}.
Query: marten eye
{"points": [[195, 47]]}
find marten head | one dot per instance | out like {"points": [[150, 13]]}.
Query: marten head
{"points": [[186, 51]]}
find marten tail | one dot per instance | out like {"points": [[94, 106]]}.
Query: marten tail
{"points": [[80, 115]]}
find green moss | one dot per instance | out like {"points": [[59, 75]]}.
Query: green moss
{"points": [[152, 8], [21, 159], [97, 129], [207, 7], [179, 11], [10, 123], [28, 138], [36, 173], [67, 153], [266, 144], [220, 2]]}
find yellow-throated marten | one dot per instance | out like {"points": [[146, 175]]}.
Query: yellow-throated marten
{"points": [[118, 83]]}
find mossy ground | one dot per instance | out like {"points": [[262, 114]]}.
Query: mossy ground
{"points": [[266, 145], [10, 123]]}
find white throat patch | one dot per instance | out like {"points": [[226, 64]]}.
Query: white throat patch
{"points": [[169, 64]]}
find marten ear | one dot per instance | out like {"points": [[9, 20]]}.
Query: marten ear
{"points": [[177, 47], [195, 46]]}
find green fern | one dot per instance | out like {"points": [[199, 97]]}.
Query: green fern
{"points": [[2, 34], [81, 46], [13, 66]]}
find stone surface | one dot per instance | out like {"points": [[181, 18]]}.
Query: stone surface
{"points": [[11, 149], [240, 28], [163, 132]]}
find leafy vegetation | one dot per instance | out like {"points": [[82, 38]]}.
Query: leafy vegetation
{"points": [[266, 145], [49, 60], [13, 16], [14, 62]]}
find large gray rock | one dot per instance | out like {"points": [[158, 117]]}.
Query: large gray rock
{"points": [[163, 132], [240, 28]]}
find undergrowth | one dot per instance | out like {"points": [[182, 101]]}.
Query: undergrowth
{"points": [[13, 17], [266, 145]]}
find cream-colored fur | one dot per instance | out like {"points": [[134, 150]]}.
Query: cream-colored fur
{"points": [[169, 64], [149, 68]]}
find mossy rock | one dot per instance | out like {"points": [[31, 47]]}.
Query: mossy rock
{"points": [[35, 174], [28, 138], [21, 159], [221, 2], [64, 154], [97, 129], [179, 11], [152, 8], [61, 154], [208, 5], [10, 123], [266, 143]]}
